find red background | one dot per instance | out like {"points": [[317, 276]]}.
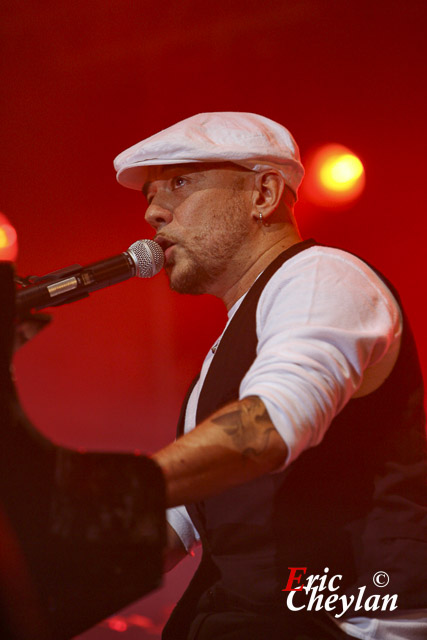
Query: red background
{"points": [[83, 80]]}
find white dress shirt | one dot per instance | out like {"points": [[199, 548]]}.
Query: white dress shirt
{"points": [[328, 330]]}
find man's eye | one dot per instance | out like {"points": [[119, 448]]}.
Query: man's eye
{"points": [[178, 181]]}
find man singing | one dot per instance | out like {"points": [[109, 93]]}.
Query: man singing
{"points": [[301, 447]]}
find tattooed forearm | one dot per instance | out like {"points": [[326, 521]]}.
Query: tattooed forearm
{"points": [[235, 445], [249, 426]]}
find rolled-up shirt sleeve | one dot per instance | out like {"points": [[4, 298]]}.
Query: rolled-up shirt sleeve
{"points": [[179, 520], [328, 329]]}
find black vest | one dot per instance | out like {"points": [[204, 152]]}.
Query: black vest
{"points": [[356, 503]]}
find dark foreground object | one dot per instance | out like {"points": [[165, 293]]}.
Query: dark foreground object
{"points": [[81, 534]]}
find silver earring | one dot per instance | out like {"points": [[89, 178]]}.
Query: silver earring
{"points": [[262, 221]]}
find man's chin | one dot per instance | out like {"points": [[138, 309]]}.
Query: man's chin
{"points": [[187, 287], [185, 281]]}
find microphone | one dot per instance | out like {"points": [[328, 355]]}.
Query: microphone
{"points": [[143, 259]]}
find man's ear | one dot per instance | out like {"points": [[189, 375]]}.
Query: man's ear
{"points": [[269, 186]]}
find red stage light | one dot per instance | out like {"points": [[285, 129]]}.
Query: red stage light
{"points": [[8, 240], [117, 624], [335, 176]]}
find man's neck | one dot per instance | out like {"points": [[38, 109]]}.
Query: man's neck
{"points": [[261, 262]]}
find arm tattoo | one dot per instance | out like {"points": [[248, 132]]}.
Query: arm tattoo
{"points": [[249, 426]]}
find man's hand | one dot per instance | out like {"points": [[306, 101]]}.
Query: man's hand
{"points": [[236, 444], [29, 327]]}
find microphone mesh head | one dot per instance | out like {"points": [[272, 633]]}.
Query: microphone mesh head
{"points": [[148, 257]]}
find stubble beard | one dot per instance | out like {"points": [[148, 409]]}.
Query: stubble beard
{"points": [[209, 254]]}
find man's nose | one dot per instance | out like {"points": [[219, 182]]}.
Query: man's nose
{"points": [[157, 215]]}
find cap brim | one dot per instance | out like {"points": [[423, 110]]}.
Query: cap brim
{"points": [[134, 177]]}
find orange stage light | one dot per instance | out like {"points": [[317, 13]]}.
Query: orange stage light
{"points": [[335, 177], [8, 240]]}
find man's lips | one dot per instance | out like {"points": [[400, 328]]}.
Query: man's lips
{"points": [[168, 252], [166, 245]]}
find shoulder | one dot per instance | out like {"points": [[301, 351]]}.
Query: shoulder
{"points": [[324, 281], [328, 260], [329, 269]]}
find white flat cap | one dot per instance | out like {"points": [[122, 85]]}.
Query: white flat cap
{"points": [[247, 139]]}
